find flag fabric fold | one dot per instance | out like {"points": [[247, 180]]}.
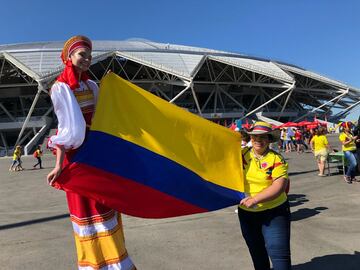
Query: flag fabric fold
{"points": [[148, 158]]}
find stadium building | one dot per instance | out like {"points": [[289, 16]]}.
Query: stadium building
{"points": [[215, 84]]}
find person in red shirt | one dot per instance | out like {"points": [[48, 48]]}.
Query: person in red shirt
{"points": [[299, 138], [37, 154]]}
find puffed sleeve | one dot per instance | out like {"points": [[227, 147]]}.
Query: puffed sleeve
{"points": [[71, 123]]}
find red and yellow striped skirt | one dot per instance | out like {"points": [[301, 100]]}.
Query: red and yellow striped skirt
{"points": [[99, 235]]}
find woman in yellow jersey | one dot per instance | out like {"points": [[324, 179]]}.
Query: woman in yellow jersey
{"points": [[348, 142], [98, 229], [264, 214], [320, 145]]}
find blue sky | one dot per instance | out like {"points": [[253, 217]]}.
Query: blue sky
{"points": [[322, 35]]}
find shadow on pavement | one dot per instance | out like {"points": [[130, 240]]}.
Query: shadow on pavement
{"points": [[333, 262], [306, 213], [299, 214], [33, 221], [297, 199], [302, 172]]}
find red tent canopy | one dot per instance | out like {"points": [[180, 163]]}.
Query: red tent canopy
{"points": [[304, 123], [289, 124], [317, 123], [312, 126]]}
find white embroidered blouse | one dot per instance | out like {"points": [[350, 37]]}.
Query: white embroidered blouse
{"points": [[69, 107]]}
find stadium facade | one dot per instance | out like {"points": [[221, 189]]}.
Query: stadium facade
{"points": [[214, 84]]}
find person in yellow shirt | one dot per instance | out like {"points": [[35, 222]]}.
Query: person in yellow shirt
{"points": [[264, 214], [348, 141], [320, 146], [16, 164]]}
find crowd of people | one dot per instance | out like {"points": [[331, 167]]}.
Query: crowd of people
{"points": [[295, 139], [303, 139]]}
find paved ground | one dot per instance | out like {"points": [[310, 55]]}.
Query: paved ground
{"points": [[35, 232]]}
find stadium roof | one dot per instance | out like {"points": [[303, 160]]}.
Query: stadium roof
{"points": [[41, 60]]}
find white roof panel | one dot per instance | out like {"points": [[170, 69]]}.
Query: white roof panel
{"points": [[262, 67], [311, 75], [174, 63], [42, 63], [39, 62]]}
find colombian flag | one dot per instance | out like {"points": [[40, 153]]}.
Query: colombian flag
{"points": [[148, 158]]}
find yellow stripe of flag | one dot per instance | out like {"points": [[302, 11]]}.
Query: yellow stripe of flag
{"points": [[209, 150]]}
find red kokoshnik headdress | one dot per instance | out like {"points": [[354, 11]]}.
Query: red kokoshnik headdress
{"points": [[69, 75]]}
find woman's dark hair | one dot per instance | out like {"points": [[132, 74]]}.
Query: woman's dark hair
{"points": [[245, 136], [320, 131]]}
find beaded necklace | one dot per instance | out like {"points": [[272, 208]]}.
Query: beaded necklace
{"points": [[258, 158]]}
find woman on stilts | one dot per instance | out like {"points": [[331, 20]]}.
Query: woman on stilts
{"points": [[98, 229]]}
